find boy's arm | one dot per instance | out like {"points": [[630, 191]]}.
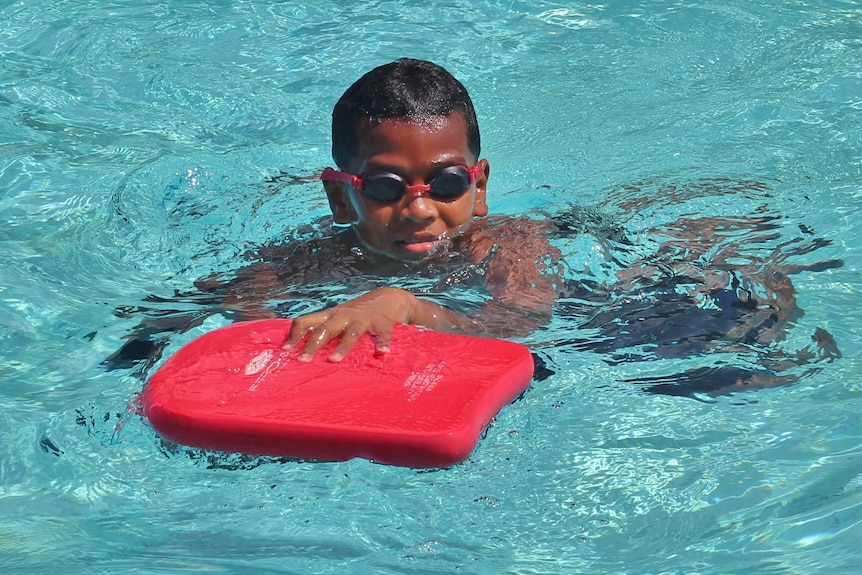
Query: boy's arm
{"points": [[522, 291], [375, 313]]}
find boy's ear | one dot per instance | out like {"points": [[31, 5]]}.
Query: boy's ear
{"points": [[339, 203], [480, 204]]}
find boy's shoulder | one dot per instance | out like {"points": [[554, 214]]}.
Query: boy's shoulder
{"points": [[504, 225], [511, 237]]}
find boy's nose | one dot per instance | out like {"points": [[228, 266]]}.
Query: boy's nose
{"points": [[417, 207]]}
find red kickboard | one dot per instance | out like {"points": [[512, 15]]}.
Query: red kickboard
{"points": [[425, 404]]}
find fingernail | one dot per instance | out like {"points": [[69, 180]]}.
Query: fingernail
{"points": [[335, 357], [303, 357]]}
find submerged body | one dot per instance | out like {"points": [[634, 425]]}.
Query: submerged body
{"points": [[674, 303], [417, 247]]}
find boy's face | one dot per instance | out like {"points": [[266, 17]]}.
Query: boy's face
{"points": [[412, 227]]}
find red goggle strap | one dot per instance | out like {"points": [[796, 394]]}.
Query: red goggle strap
{"points": [[330, 175], [474, 172]]}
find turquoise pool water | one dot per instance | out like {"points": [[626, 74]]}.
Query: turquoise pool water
{"points": [[144, 145]]}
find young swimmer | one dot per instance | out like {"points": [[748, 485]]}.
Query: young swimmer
{"points": [[414, 243], [409, 201], [411, 184]]}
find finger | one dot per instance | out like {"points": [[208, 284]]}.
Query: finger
{"points": [[301, 326], [383, 340], [320, 336], [348, 339]]}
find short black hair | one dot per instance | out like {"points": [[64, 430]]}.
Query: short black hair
{"points": [[405, 89]]}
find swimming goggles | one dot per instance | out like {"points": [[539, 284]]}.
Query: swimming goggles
{"points": [[384, 187]]}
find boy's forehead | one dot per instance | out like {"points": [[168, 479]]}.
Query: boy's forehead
{"points": [[453, 122], [448, 132]]}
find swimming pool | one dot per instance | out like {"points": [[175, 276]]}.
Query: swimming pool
{"points": [[143, 145]]}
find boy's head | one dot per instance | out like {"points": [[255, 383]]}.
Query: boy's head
{"points": [[412, 90], [406, 140]]}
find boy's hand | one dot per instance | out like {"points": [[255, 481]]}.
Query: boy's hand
{"points": [[375, 313]]}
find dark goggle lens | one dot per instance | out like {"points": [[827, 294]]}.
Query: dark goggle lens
{"points": [[448, 184], [384, 187]]}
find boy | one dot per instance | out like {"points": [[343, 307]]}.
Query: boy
{"points": [[410, 195], [410, 185], [410, 198]]}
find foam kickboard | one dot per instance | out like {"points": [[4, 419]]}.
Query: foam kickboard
{"points": [[425, 404]]}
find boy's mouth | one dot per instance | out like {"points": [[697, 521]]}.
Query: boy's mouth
{"points": [[424, 244], [420, 247]]}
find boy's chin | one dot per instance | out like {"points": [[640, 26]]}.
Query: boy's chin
{"points": [[413, 252], [419, 251]]}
